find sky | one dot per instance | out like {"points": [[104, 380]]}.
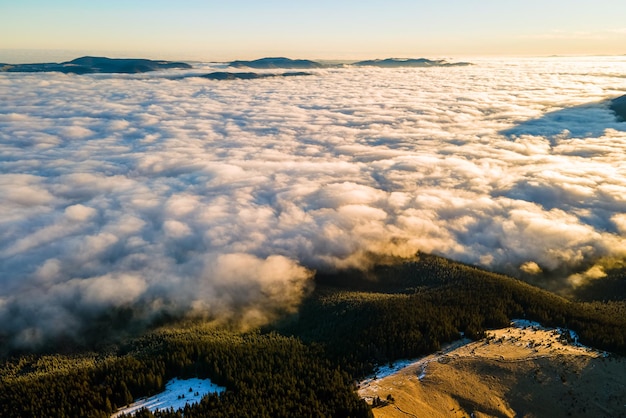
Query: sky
{"points": [[348, 29]]}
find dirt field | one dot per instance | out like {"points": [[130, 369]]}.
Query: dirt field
{"points": [[521, 371]]}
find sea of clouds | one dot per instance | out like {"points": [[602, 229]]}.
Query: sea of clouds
{"points": [[221, 198]]}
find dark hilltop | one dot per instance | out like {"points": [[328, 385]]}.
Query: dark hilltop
{"points": [[287, 63], [280, 62], [618, 106], [224, 75], [92, 65], [409, 62]]}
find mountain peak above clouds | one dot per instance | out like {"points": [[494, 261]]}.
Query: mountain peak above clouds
{"points": [[409, 62], [618, 106], [276, 62], [90, 65], [223, 75]]}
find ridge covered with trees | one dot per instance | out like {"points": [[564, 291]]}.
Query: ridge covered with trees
{"points": [[304, 364]]}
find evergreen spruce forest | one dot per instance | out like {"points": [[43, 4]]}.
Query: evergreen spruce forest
{"points": [[307, 363]]}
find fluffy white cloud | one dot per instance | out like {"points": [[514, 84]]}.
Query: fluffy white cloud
{"points": [[220, 198]]}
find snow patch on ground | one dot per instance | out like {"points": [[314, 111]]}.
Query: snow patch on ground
{"points": [[384, 371], [564, 335], [176, 395]]}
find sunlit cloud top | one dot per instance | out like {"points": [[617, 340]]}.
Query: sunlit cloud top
{"points": [[222, 197]]}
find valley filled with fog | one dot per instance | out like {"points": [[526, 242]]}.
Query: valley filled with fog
{"points": [[221, 198]]}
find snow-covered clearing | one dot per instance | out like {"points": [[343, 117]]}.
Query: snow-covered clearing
{"points": [[177, 394]]}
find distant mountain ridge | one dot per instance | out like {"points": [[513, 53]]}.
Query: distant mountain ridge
{"points": [[224, 75], [409, 62], [287, 63], [276, 62], [91, 65]]}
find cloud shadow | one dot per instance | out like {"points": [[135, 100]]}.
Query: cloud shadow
{"points": [[589, 120]]}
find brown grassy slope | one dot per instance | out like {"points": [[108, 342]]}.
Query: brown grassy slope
{"points": [[505, 376]]}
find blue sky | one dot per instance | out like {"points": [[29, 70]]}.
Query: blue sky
{"points": [[322, 29]]}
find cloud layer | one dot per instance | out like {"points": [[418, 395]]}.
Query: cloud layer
{"points": [[221, 198]]}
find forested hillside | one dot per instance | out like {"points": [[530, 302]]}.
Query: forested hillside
{"points": [[266, 376], [305, 364], [407, 310]]}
